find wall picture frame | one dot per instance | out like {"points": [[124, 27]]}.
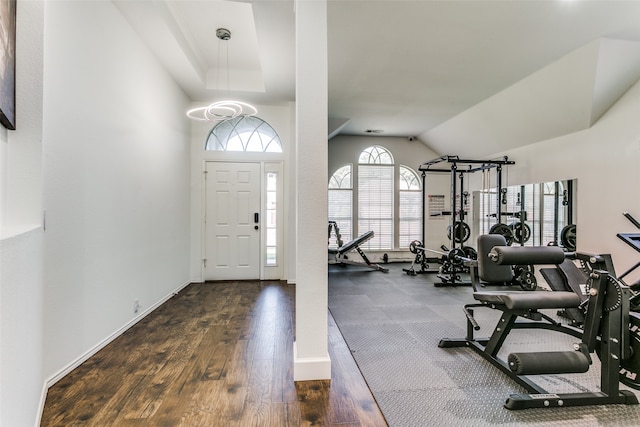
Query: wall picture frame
{"points": [[8, 63]]}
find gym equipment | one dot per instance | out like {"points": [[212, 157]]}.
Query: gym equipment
{"points": [[568, 232], [630, 368], [605, 330], [632, 219], [458, 232], [469, 252], [333, 226], [416, 247], [524, 275], [516, 232], [451, 261], [339, 255], [503, 230], [633, 240], [454, 264], [567, 277], [520, 275], [521, 230], [568, 237]]}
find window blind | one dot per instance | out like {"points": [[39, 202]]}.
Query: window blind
{"points": [[375, 204], [341, 211]]}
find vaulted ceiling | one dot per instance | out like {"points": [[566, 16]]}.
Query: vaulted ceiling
{"points": [[465, 77]]}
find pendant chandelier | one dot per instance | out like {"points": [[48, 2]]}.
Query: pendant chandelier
{"points": [[222, 110]]}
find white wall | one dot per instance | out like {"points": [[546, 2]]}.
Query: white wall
{"points": [[116, 169], [21, 285], [21, 153], [21, 329], [604, 159]]}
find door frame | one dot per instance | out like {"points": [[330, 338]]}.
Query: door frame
{"points": [[266, 272]]}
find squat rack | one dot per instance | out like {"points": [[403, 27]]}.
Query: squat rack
{"points": [[457, 168]]}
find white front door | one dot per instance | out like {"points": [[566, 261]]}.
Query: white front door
{"points": [[232, 221]]}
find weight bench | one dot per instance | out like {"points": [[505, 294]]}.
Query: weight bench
{"points": [[339, 255], [605, 328]]}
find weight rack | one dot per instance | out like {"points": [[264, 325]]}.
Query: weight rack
{"points": [[457, 168]]}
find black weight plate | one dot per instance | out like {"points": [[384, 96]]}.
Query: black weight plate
{"points": [[528, 281], [469, 252], [630, 368], [461, 232], [521, 231], [503, 229], [568, 237], [454, 256], [413, 246]]}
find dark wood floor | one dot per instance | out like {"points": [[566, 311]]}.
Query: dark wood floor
{"points": [[216, 354]]}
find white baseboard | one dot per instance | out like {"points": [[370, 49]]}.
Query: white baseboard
{"points": [[310, 368], [43, 398], [83, 358]]}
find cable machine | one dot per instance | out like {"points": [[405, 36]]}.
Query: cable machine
{"points": [[459, 231]]}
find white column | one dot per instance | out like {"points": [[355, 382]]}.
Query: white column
{"points": [[311, 356]]}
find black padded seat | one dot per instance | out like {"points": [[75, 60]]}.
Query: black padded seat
{"points": [[529, 300], [489, 271], [355, 242]]}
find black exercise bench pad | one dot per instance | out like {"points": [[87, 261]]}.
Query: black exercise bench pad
{"points": [[348, 247], [529, 300], [527, 255]]}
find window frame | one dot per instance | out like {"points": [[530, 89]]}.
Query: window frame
{"points": [[243, 131], [415, 192], [375, 155], [343, 186]]}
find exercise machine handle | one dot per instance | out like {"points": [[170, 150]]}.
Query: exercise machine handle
{"points": [[471, 319]]}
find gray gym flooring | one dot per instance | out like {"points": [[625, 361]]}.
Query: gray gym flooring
{"points": [[392, 324]]}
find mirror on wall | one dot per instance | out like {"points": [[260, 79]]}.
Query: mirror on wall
{"points": [[538, 214]]}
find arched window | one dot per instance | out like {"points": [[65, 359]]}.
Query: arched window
{"points": [[244, 133], [341, 202], [375, 155], [410, 209], [365, 197], [375, 196]]}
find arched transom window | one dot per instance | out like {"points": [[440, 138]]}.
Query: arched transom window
{"points": [[244, 133], [375, 155]]}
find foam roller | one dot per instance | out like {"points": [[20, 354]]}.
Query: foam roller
{"points": [[548, 362], [522, 255]]}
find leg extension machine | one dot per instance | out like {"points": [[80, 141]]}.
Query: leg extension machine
{"points": [[605, 331]]}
